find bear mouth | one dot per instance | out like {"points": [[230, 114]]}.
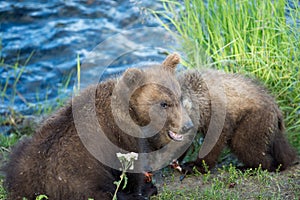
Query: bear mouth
{"points": [[175, 136]]}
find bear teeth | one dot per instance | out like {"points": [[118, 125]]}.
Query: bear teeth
{"points": [[175, 136]]}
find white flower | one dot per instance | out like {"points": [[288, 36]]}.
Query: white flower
{"points": [[127, 160], [133, 155], [128, 156], [120, 155]]}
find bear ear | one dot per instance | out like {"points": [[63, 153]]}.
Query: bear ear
{"points": [[133, 77], [171, 62]]}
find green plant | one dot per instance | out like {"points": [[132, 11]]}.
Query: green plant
{"points": [[207, 174], [8, 141], [47, 107], [41, 197], [18, 70], [127, 161], [3, 193], [78, 73], [233, 174], [250, 37]]}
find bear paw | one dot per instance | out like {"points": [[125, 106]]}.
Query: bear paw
{"points": [[188, 168]]}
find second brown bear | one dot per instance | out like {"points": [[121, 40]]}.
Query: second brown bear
{"points": [[234, 111]]}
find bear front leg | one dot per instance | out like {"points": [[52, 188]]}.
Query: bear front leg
{"points": [[149, 190], [138, 187], [210, 159]]}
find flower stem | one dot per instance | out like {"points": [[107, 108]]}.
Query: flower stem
{"points": [[118, 185]]}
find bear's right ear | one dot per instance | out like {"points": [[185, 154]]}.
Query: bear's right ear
{"points": [[171, 62], [132, 77]]}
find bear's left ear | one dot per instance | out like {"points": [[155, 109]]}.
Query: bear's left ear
{"points": [[132, 77], [171, 62]]}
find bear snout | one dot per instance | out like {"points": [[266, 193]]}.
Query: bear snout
{"points": [[187, 126]]}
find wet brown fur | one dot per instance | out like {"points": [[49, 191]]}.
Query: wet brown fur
{"points": [[253, 128], [54, 160]]}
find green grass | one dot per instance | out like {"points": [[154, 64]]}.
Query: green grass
{"points": [[18, 70], [249, 37], [2, 191], [231, 183]]}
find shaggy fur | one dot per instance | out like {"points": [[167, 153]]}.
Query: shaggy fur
{"points": [[55, 162], [253, 127]]}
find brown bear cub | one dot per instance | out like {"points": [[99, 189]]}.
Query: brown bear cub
{"points": [[55, 162], [233, 110]]}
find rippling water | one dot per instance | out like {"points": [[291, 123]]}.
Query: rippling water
{"points": [[45, 37]]}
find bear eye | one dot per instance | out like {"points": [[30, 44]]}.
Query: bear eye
{"points": [[163, 104]]}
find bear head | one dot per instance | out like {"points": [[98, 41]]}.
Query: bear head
{"points": [[155, 102]]}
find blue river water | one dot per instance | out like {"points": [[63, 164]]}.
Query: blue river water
{"points": [[41, 42]]}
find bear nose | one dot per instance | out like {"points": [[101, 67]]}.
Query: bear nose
{"points": [[187, 126]]}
